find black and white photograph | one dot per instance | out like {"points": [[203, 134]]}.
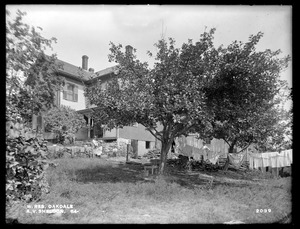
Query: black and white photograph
{"points": [[149, 114]]}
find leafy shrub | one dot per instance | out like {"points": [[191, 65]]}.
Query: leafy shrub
{"points": [[64, 122], [25, 163]]}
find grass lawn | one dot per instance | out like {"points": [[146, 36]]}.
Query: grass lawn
{"points": [[111, 191]]}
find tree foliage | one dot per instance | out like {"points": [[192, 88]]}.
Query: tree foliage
{"points": [[244, 95], [25, 163], [169, 99], [31, 75], [227, 93], [64, 122], [29, 90], [25, 160]]}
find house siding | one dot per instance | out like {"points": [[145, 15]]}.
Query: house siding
{"points": [[137, 133], [142, 148], [110, 133]]}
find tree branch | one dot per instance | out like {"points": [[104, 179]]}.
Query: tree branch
{"points": [[156, 134], [244, 148], [226, 141], [183, 130]]}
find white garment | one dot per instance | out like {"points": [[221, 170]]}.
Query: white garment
{"points": [[197, 155], [95, 143], [281, 162], [265, 160], [273, 159], [288, 154], [257, 160], [236, 159], [98, 151], [214, 159], [250, 162]]}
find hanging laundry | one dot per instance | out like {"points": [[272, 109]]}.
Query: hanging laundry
{"points": [[272, 159], [256, 160], [281, 161], [265, 160], [197, 154], [206, 153], [236, 159], [214, 160], [250, 162], [288, 155]]}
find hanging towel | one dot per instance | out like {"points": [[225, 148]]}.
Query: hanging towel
{"points": [[285, 159], [257, 160], [265, 160], [288, 154], [274, 161], [236, 159], [215, 159], [250, 162], [197, 154]]}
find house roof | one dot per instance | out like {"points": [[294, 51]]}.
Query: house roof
{"points": [[73, 71], [80, 74], [106, 71]]}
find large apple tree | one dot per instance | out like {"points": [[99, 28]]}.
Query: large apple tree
{"points": [[168, 99]]}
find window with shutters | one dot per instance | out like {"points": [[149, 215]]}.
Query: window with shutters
{"points": [[70, 92]]}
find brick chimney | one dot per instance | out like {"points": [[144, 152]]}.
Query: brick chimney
{"points": [[85, 62], [128, 49]]}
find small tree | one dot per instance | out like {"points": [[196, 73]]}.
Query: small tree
{"points": [[64, 122], [167, 99]]}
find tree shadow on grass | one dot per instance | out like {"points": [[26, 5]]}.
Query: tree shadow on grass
{"points": [[112, 173], [131, 173], [115, 172]]}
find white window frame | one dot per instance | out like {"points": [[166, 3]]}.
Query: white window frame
{"points": [[70, 93]]}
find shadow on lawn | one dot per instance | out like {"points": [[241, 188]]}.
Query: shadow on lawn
{"points": [[113, 172]]}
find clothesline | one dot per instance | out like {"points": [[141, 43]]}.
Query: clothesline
{"points": [[272, 159]]}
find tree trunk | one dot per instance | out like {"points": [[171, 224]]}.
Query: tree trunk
{"points": [[165, 147], [230, 150]]}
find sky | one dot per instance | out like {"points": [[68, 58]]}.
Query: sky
{"points": [[88, 29]]}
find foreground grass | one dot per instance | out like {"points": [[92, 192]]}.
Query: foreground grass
{"points": [[107, 192]]}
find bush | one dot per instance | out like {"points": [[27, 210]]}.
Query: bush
{"points": [[64, 122], [25, 163]]}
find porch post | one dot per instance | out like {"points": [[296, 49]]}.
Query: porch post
{"points": [[89, 127]]}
